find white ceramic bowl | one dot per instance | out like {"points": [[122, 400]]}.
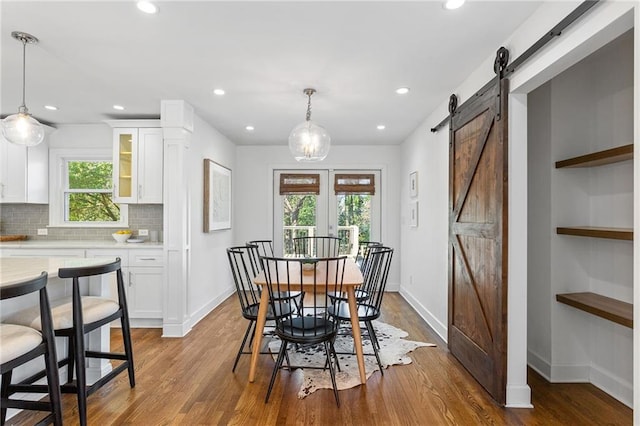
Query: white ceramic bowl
{"points": [[308, 266], [121, 238]]}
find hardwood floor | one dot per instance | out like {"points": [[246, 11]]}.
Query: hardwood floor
{"points": [[189, 381]]}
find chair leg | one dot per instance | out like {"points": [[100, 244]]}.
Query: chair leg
{"points": [[335, 355], [283, 351], [70, 359], [373, 338], [4, 393], [244, 340], [332, 373], [81, 379], [128, 347], [53, 381]]}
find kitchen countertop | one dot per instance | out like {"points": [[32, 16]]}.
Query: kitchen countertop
{"points": [[76, 244], [16, 269]]}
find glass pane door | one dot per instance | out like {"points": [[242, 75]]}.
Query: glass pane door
{"points": [[298, 215]]}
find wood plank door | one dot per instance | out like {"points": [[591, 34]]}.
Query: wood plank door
{"points": [[478, 238]]}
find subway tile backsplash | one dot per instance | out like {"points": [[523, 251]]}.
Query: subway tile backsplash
{"points": [[26, 219]]}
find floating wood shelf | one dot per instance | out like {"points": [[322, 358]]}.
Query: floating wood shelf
{"points": [[602, 306], [600, 158], [595, 232]]}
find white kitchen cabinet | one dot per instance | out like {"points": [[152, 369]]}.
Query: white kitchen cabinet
{"points": [[24, 173], [142, 272], [137, 165]]}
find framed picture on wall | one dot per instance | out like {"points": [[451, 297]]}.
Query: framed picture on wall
{"points": [[413, 184], [217, 196], [413, 214]]}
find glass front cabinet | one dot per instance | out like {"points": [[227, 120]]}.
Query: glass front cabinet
{"points": [[137, 168]]}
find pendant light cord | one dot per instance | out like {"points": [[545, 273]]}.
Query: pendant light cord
{"points": [[23, 107], [309, 93]]}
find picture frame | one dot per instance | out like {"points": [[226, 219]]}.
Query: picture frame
{"points": [[217, 196], [413, 214], [413, 184]]}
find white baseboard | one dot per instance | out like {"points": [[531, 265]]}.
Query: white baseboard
{"points": [[434, 323], [518, 396], [564, 373], [539, 364], [197, 316], [617, 387], [176, 329]]}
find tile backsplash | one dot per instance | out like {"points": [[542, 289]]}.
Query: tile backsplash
{"points": [[26, 219]]}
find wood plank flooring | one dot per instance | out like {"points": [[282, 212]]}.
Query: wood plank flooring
{"points": [[189, 381]]}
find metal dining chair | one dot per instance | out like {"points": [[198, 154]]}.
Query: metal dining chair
{"points": [[316, 246]]}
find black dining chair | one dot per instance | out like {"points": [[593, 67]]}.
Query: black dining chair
{"points": [[317, 246], [261, 248], [76, 318], [21, 344], [312, 325], [242, 270], [369, 307]]}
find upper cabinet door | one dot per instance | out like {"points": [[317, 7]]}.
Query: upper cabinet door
{"points": [[125, 165], [150, 165], [24, 173]]}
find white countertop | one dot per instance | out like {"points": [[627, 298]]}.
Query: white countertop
{"points": [[76, 244], [18, 269]]}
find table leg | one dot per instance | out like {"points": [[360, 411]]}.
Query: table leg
{"points": [[357, 337], [257, 339]]}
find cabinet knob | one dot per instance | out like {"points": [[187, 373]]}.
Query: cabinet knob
{"points": [[139, 192], [130, 279]]}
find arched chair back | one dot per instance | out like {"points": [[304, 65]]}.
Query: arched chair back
{"points": [[317, 246], [362, 259], [259, 248]]}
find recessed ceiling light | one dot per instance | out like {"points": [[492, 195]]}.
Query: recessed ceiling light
{"points": [[51, 107], [402, 90], [118, 107], [218, 92], [249, 128], [381, 127], [147, 7], [453, 4]]}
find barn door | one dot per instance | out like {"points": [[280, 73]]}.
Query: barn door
{"points": [[478, 237]]}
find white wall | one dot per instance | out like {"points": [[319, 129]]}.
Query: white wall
{"points": [[253, 190], [81, 136], [428, 154], [210, 280]]}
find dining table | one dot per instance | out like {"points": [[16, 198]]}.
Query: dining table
{"points": [[351, 279]]}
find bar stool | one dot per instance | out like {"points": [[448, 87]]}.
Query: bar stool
{"points": [[82, 315], [21, 344]]}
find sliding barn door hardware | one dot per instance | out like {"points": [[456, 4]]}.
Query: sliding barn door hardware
{"points": [[533, 49]]}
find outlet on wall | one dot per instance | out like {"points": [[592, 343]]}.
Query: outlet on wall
{"points": [[43, 231], [143, 232]]}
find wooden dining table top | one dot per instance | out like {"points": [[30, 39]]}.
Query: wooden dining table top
{"points": [[352, 275]]}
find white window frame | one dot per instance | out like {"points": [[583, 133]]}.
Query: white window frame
{"points": [[58, 159]]}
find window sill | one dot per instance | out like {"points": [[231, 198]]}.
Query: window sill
{"points": [[90, 225]]}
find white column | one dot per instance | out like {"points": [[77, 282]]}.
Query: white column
{"points": [[177, 125]]}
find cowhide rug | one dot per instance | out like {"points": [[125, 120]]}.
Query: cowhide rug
{"points": [[393, 351]]}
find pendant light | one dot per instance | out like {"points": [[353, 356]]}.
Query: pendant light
{"points": [[309, 141], [22, 128]]}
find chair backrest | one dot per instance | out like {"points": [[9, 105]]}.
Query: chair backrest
{"points": [[362, 259], [375, 279], [243, 272], [324, 275], [317, 246], [24, 287], [259, 248], [88, 271]]}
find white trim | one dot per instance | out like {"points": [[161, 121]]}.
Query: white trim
{"points": [[198, 315], [428, 317], [57, 160]]}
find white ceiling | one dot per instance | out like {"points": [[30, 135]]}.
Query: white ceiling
{"points": [[93, 55]]}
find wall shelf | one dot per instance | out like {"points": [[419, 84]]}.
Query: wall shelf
{"points": [[600, 158], [596, 232], [601, 306]]}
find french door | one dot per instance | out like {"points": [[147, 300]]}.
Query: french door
{"points": [[342, 203]]}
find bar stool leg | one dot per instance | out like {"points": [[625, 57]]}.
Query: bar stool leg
{"points": [[78, 337], [4, 392]]}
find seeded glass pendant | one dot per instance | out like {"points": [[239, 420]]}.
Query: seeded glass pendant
{"points": [[308, 141]]}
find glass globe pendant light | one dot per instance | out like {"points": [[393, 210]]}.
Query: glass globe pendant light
{"points": [[309, 141], [22, 128]]}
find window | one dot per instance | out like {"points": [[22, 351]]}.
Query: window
{"points": [[82, 190]]}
